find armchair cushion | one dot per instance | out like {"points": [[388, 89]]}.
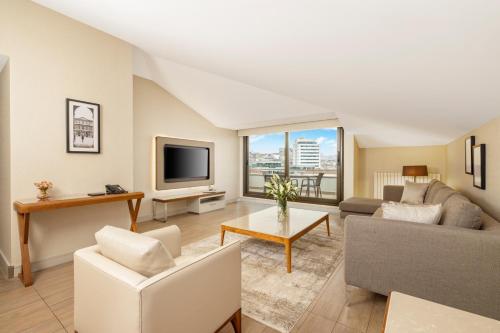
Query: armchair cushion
{"points": [[170, 237], [142, 254]]}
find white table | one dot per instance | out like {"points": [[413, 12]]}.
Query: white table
{"points": [[410, 314]]}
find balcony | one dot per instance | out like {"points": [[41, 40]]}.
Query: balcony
{"points": [[328, 185]]}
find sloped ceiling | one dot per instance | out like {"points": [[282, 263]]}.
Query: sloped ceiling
{"points": [[395, 72]]}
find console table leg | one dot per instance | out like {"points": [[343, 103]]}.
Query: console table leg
{"points": [[24, 227], [134, 212]]}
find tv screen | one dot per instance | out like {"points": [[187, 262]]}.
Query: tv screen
{"points": [[183, 163]]}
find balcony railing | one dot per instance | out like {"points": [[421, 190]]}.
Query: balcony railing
{"points": [[328, 185]]}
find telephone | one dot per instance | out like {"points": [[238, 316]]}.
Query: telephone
{"points": [[114, 189]]}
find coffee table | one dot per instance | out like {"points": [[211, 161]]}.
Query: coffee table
{"points": [[405, 313], [264, 225]]}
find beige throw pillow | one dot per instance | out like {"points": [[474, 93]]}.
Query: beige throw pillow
{"points": [[414, 193], [458, 211], [428, 214], [142, 254]]}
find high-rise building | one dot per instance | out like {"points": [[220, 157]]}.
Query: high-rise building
{"points": [[306, 153]]}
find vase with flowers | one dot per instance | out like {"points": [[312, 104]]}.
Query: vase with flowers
{"points": [[281, 190], [43, 188]]}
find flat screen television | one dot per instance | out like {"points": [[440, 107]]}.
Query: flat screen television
{"points": [[185, 163]]}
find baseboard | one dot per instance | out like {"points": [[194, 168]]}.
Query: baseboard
{"points": [[303, 205], [47, 263], [6, 269]]}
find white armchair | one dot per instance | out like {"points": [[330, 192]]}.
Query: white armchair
{"points": [[199, 295]]}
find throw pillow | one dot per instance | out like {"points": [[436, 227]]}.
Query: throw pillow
{"points": [[142, 254], [414, 193], [458, 211], [428, 214]]}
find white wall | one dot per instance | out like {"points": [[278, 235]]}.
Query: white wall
{"points": [[5, 203], [489, 198], [53, 57], [158, 113], [349, 165]]}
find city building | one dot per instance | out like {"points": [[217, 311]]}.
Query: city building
{"points": [[306, 153]]}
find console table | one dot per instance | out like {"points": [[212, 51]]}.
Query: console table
{"points": [[25, 207], [199, 202]]}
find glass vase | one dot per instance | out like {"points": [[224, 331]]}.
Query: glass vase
{"points": [[282, 210]]}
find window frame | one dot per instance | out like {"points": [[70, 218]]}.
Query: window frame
{"points": [[312, 200]]}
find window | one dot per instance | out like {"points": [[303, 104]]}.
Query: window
{"points": [[312, 159], [266, 156]]}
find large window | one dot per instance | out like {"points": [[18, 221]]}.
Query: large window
{"points": [[312, 159]]}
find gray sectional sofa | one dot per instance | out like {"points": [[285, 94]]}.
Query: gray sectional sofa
{"points": [[448, 264]]}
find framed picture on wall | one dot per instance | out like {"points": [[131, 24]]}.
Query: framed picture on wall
{"points": [[83, 127], [469, 162], [479, 178]]}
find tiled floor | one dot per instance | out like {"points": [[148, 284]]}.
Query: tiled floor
{"points": [[47, 306]]}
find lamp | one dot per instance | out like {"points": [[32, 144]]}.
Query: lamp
{"points": [[415, 171]]}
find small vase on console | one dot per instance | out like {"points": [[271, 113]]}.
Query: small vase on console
{"points": [[43, 188]]}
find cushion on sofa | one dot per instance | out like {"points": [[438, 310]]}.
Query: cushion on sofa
{"points": [[434, 187], [360, 205], [442, 195], [414, 193], [460, 212], [428, 214], [142, 254]]}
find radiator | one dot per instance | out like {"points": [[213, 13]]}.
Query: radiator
{"points": [[382, 178]]}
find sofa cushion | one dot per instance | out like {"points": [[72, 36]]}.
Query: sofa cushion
{"points": [[142, 254], [489, 224], [378, 213], [434, 187], [458, 211], [360, 205], [442, 195], [427, 214], [414, 193]]}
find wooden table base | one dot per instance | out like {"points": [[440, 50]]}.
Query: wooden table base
{"points": [[287, 242], [23, 219]]}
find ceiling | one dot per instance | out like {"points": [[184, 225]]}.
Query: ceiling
{"points": [[394, 72]]}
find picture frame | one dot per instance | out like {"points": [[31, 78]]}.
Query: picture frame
{"points": [[469, 156], [83, 122], [479, 178]]}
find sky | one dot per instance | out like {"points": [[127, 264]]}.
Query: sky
{"points": [[271, 143]]}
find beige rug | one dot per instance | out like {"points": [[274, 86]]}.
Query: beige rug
{"points": [[271, 295]]}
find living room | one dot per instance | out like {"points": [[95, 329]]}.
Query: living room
{"points": [[284, 167]]}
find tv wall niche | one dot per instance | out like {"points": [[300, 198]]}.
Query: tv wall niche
{"points": [[182, 163]]}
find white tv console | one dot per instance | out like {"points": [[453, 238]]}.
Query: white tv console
{"points": [[198, 202]]}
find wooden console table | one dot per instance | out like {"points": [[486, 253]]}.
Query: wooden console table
{"points": [[25, 207]]}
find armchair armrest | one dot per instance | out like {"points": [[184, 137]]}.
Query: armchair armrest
{"points": [[449, 265], [106, 295], [198, 297], [393, 193], [170, 237]]}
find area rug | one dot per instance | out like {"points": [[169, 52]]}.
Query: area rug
{"points": [[270, 295]]}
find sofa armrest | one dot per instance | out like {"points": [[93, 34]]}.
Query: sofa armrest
{"points": [[106, 294], [198, 297], [393, 193], [170, 237], [449, 265]]}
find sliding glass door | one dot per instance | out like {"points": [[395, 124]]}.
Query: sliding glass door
{"points": [[312, 159]]}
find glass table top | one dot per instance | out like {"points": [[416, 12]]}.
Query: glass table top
{"points": [[266, 221]]}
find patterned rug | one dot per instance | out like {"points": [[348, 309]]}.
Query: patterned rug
{"points": [[270, 295]]}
